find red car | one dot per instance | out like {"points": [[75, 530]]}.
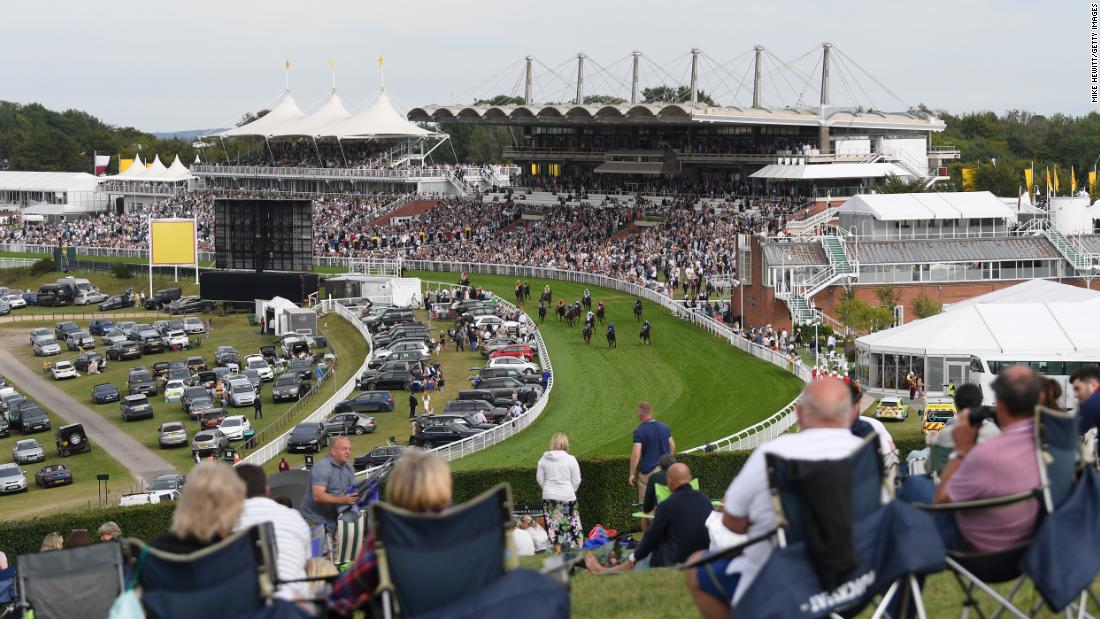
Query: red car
{"points": [[523, 351]]}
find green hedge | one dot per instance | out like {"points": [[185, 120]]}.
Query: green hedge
{"points": [[141, 521]]}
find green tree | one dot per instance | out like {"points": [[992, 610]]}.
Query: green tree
{"points": [[500, 100], [898, 184], [925, 306], [603, 100], [888, 297], [673, 94], [1003, 178]]}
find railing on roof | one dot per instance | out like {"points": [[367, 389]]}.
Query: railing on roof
{"points": [[410, 175]]}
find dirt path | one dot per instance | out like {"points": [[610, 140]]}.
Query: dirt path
{"points": [[142, 462]]}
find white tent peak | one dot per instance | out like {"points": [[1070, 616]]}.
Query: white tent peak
{"points": [[137, 169], [284, 112], [177, 171], [379, 118], [330, 112], [157, 168]]}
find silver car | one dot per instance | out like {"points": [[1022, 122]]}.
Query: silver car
{"points": [[40, 332], [26, 451], [12, 479], [209, 442], [193, 325], [46, 346]]}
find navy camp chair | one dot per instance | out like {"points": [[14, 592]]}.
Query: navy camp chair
{"points": [[894, 542], [1052, 560], [74, 582], [232, 578], [452, 564]]}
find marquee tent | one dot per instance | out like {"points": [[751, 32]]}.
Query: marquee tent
{"points": [[330, 112], [283, 114]]}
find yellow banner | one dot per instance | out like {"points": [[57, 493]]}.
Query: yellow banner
{"points": [[1072, 180], [1029, 179], [1050, 185], [1055, 179], [172, 241], [123, 164], [969, 177], [1092, 181]]}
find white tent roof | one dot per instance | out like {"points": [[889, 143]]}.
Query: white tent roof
{"points": [[284, 113], [137, 169], [1003, 324], [800, 171], [157, 168], [330, 112], [928, 206], [47, 181], [177, 171], [378, 118]]}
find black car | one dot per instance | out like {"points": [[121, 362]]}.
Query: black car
{"points": [[28, 418], [118, 301], [502, 389], [62, 330], [370, 401], [162, 297], [152, 344], [53, 475], [469, 407], [441, 434], [104, 393], [307, 437], [379, 456], [224, 355], [124, 351], [412, 332], [189, 305], [167, 481], [136, 407], [190, 394], [141, 381], [467, 420], [85, 358], [269, 354], [302, 367], [372, 379], [289, 386], [5, 427], [71, 439], [390, 316]]}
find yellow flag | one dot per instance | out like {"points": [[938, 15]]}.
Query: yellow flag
{"points": [[380, 60], [123, 164], [1072, 180], [331, 63], [969, 178], [1029, 179], [1050, 185], [286, 63], [1092, 181], [1055, 179]]}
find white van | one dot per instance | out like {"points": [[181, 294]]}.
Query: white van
{"points": [[148, 498]]}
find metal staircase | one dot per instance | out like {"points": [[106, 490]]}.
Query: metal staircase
{"points": [[799, 297], [837, 254], [1076, 254]]}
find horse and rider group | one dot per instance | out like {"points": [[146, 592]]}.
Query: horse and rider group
{"points": [[570, 314]]}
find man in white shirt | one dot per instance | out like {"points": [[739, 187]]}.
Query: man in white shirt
{"points": [[292, 540], [824, 420]]}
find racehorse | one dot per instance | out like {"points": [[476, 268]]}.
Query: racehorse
{"points": [[637, 310], [547, 295], [586, 301], [644, 335], [560, 309], [587, 333], [600, 313], [571, 315], [520, 298], [611, 336], [542, 312]]}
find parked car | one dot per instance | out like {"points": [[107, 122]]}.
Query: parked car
{"points": [[112, 336], [118, 301], [441, 434], [892, 407], [31, 297], [71, 439], [302, 367], [938, 412], [413, 345], [253, 379], [41, 332], [190, 394], [46, 346], [289, 386], [234, 427], [372, 380], [307, 437], [173, 391], [12, 479], [503, 388], [62, 370], [141, 381], [212, 418], [104, 393], [408, 355], [379, 456], [201, 406], [522, 365], [390, 316], [209, 442], [196, 364], [515, 350], [126, 327], [15, 299], [193, 325], [180, 373], [177, 340], [167, 481], [89, 297], [370, 401], [225, 355], [189, 305], [260, 365], [79, 340], [349, 423], [151, 344], [124, 351], [241, 393], [268, 353], [135, 407], [100, 326], [162, 297], [84, 360], [27, 451], [29, 418], [469, 407], [171, 434], [5, 427], [495, 343], [505, 372], [62, 330], [467, 420], [53, 475]]}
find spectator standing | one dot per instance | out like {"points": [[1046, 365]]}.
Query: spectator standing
{"points": [[284, 466], [559, 476], [258, 406], [652, 439], [412, 405], [331, 485], [292, 539], [208, 508]]}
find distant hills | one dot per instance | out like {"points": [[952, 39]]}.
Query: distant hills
{"points": [[184, 135]]}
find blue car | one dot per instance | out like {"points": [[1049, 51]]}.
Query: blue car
{"points": [[31, 298], [53, 475], [100, 326]]}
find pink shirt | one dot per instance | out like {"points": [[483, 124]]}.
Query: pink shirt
{"points": [[997, 467]]}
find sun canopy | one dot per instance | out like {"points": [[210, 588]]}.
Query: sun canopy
{"points": [[378, 119], [821, 171], [283, 114], [928, 206], [329, 113]]}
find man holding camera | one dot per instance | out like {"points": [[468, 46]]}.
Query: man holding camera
{"points": [[1000, 466]]}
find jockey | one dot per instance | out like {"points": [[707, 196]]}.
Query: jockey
{"points": [[587, 295], [589, 317], [645, 327], [610, 328]]}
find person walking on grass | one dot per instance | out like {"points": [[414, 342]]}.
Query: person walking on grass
{"points": [[258, 406]]}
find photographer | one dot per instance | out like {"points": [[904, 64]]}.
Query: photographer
{"points": [[968, 400]]}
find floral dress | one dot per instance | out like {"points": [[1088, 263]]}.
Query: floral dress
{"points": [[563, 523]]}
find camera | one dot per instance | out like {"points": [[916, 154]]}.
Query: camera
{"points": [[979, 414]]}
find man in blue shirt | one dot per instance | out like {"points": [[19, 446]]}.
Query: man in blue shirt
{"points": [[1086, 386], [652, 439]]}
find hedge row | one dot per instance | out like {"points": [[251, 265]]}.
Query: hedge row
{"points": [[604, 498]]}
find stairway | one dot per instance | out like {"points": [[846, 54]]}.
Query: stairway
{"points": [[1081, 260], [801, 312], [837, 255]]}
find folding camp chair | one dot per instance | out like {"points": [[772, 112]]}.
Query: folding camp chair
{"points": [[453, 563], [662, 492], [228, 579], [892, 543], [1056, 449], [75, 582]]}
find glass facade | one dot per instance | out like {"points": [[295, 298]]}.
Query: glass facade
{"points": [[957, 271]]}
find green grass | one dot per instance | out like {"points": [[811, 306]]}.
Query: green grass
{"points": [[701, 386], [106, 283], [83, 493]]}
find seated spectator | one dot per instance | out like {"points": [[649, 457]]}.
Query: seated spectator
{"points": [[1000, 466], [78, 537], [319, 567], [52, 541], [420, 482], [679, 528], [967, 397], [207, 510], [824, 413], [660, 476], [292, 539], [538, 535], [109, 532], [521, 542]]}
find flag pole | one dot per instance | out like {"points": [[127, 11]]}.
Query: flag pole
{"points": [[382, 70]]}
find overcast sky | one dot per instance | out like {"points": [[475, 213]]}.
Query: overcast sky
{"points": [[168, 66]]}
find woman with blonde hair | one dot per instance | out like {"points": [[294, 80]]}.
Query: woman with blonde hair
{"points": [[52, 541], [420, 482], [559, 476], [207, 511]]}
